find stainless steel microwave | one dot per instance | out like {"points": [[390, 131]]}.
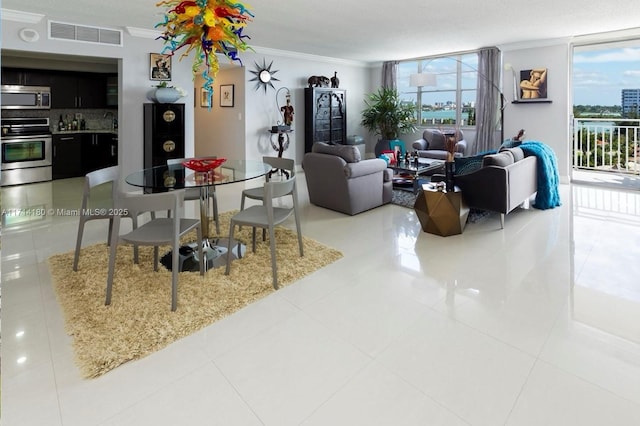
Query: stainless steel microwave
{"points": [[25, 97]]}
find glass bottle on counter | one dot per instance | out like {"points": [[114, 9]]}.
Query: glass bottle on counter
{"points": [[61, 125]]}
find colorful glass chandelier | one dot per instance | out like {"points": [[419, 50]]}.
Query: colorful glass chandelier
{"points": [[206, 27]]}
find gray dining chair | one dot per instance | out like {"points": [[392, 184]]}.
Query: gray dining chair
{"points": [[285, 166], [267, 216], [156, 232], [277, 164], [100, 205], [192, 194]]}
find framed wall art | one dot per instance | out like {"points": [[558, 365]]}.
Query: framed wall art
{"points": [[533, 84], [226, 95], [159, 67]]}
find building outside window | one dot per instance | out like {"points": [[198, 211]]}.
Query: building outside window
{"points": [[631, 103], [451, 101]]}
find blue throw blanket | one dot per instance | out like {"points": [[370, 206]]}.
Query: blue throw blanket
{"points": [[547, 196]]}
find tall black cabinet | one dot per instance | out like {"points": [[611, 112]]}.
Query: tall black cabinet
{"points": [[325, 116], [163, 133]]}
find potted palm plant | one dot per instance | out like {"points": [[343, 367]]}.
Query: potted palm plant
{"points": [[387, 115]]}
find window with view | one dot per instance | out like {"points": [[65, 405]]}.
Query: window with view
{"points": [[451, 99]]}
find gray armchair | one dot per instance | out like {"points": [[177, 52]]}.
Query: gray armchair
{"points": [[338, 179], [432, 144]]}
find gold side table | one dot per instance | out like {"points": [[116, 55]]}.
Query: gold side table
{"points": [[440, 212]]}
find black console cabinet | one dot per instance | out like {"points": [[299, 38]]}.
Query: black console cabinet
{"points": [[325, 116], [163, 133]]}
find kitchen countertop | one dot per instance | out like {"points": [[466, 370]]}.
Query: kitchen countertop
{"points": [[68, 132]]}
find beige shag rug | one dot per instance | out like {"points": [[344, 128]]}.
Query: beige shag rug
{"points": [[139, 320]]}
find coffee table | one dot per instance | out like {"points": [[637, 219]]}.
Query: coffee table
{"points": [[407, 173]]}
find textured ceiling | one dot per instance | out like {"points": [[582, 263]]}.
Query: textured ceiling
{"points": [[375, 30]]}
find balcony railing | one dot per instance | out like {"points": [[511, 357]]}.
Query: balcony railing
{"points": [[607, 145]]}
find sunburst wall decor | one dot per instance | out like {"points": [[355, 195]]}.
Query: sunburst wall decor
{"points": [[264, 75]]}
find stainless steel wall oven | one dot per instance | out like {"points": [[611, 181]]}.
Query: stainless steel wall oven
{"points": [[26, 151]]}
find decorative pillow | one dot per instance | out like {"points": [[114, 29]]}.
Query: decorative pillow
{"points": [[501, 159], [517, 152], [466, 165], [349, 153]]}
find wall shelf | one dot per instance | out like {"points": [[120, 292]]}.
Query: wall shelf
{"points": [[532, 101]]}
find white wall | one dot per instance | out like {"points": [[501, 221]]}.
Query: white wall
{"points": [[262, 111], [545, 122], [243, 131], [219, 131]]}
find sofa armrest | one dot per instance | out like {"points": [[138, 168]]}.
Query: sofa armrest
{"points": [[364, 167], [461, 146], [420, 145], [388, 175], [486, 188]]}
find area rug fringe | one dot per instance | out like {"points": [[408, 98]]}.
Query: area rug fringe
{"points": [[139, 320]]}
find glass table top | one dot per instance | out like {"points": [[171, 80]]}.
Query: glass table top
{"points": [[179, 177]]}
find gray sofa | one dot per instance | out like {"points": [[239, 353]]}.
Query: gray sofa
{"points": [[432, 144], [338, 179], [502, 182]]}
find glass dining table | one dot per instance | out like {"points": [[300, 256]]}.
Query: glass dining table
{"points": [[171, 177]]}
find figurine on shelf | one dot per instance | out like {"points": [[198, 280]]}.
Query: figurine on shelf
{"points": [[318, 81], [335, 82], [287, 111]]}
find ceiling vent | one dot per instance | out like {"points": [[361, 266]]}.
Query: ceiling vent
{"points": [[72, 32]]}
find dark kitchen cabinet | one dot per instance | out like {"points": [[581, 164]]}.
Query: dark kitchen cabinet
{"points": [[99, 150], [112, 90], [67, 156], [78, 90], [25, 77], [325, 116]]}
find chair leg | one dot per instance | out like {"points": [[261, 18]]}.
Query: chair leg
{"points": [[299, 231], [242, 200], [156, 249], [110, 228], [253, 238], [203, 260], [76, 256], [112, 259], [228, 268], [175, 259], [501, 220], [134, 220], [272, 245], [214, 201]]}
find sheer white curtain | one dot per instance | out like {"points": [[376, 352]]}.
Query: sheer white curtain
{"points": [[489, 101]]}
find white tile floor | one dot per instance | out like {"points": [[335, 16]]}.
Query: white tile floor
{"points": [[536, 324]]}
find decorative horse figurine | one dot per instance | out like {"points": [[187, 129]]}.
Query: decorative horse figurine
{"points": [[335, 82]]}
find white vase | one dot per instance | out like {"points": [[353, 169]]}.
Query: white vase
{"points": [[164, 95]]}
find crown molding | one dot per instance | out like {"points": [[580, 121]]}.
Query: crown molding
{"points": [[532, 44], [154, 34], [20, 16], [618, 35], [307, 56]]}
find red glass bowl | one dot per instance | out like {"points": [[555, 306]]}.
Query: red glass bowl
{"points": [[203, 164]]}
